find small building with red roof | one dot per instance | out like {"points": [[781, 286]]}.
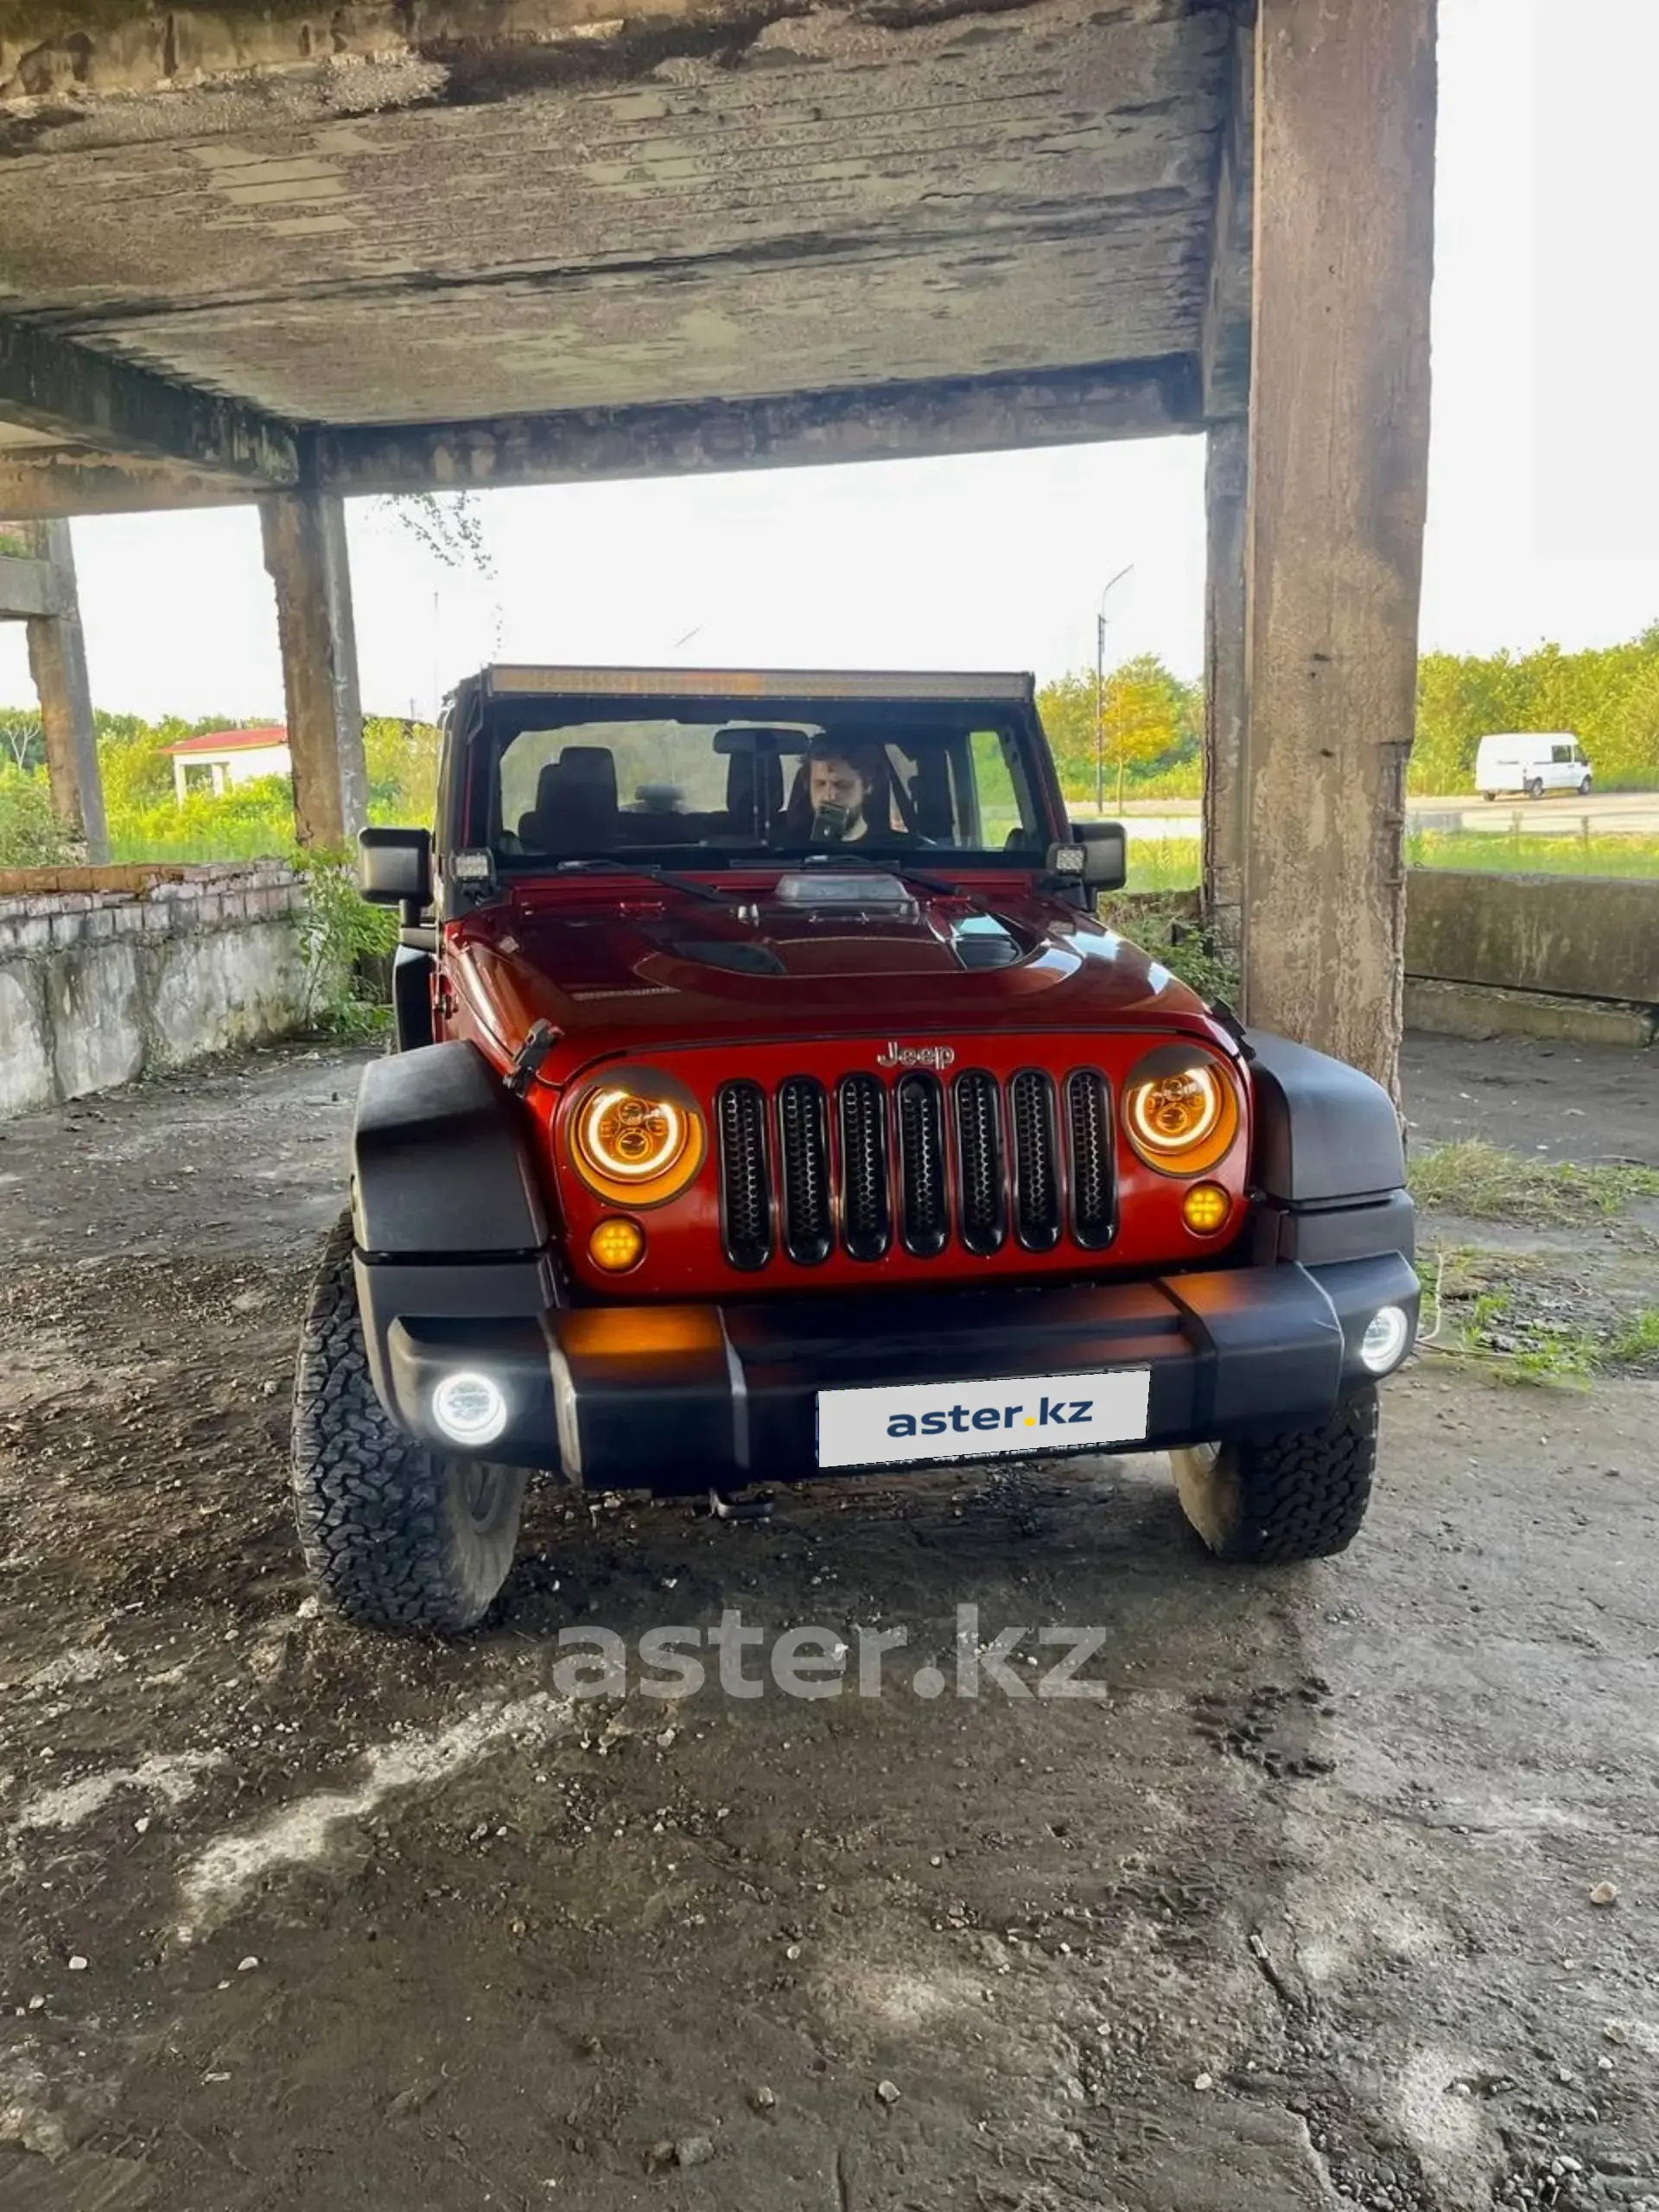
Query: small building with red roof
{"points": [[219, 759]]}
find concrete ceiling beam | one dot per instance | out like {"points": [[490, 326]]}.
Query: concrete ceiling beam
{"points": [[91, 399], [879, 423]]}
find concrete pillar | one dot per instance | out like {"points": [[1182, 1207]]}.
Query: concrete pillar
{"points": [[57, 661], [1225, 477], [1344, 155], [305, 554]]}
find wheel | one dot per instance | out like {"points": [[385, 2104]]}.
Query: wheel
{"points": [[1534, 788], [1489, 797], [1300, 1494], [1584, 788], [397, 1535]]}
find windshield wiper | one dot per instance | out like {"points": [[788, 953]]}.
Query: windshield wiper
{"points": [[648, 869]]}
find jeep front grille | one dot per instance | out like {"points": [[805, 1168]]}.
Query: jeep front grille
{"points": [[803, 1142], [745, 1175], [1089, 1117], [921, 1162], [983, 1216], [865, 1209], [923, 1208]]}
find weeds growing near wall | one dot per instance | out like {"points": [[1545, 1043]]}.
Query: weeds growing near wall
{"points": [[343, 940]]}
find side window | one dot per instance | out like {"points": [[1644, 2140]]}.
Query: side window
{"points": [[999, 808], [1562, 752]]}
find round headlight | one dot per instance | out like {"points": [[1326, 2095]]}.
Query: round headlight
{"points": [[469, 1408], [632, 1139], [636, 1137], [1181, 1112], [1383, 1344]]}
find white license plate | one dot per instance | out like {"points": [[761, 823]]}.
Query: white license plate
{"points": [[982, 1420]]}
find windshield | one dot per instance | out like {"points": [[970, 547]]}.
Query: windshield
{"points": [[693, 786]]}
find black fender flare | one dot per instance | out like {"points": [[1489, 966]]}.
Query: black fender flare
{"points": [[1324, 1133], [1329, 1171], [442, 1168]]}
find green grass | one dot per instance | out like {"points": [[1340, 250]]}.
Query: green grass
{"points": [[1483, 1182], [1172, 863], [234, 841], [1528, 1328], [1162, 863], [1499, 853]]}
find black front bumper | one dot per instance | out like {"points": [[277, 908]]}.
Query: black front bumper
{"points": [[676, 1398]]}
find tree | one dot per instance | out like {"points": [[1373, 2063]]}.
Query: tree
{"points": [[22, 738], [1149, 720], [1607, 696], [1144, 714], [449, 525]]}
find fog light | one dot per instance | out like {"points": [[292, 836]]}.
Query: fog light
{"points": [[469, 1408], [1205, 1207], [617, 1245], [1384, 1341]]}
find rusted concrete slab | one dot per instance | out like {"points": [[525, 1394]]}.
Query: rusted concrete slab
{"points": [[456, 213]]}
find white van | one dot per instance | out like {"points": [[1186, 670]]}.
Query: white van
{"points": [[1533, 761]]}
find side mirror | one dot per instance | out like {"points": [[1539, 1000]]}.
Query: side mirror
{"points": [[1105, 854], [394, 867]]}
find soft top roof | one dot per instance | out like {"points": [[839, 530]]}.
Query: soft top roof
{"points": [[517, 682]]}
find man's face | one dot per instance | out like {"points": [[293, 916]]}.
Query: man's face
{"points": [[836, 782]]}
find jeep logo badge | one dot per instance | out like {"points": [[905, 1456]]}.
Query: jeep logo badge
{"points": [[895, 1055]]}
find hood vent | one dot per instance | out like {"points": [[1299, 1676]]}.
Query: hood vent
{"points": [[982, 941], [732, 953]]}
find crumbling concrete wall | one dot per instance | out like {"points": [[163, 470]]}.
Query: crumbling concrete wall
{"points": [[107, 972], [1581, 937]]}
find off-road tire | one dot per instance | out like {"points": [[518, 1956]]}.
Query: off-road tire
{"points": [[1301, 1493], [396, 1535]]}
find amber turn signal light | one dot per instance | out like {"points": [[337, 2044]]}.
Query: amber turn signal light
{"points": [[617, 1245], [1205, 1208]]}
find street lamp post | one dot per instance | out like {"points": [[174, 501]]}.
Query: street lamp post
{"points": [[1100, 690]]}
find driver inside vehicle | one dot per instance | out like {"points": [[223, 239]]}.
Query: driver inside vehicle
{"points": [[840, 796]]}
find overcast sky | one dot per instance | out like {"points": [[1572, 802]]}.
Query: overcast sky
{"points": [[1544, 488]]}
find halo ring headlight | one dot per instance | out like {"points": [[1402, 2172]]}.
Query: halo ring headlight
{"points": [[636, 1136], [1180, 1110]]}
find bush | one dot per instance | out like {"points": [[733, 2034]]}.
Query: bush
{"points": [[30, 834], [254, 821], [340, 935]]}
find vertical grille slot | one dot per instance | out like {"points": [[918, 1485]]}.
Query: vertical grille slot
{"points": [[745, 1174], [865, 1220], [1089, 1120], [924, 1214], [803, 1142], [980, 1174], [1036, 1178]]}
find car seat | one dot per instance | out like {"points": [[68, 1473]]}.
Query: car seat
{"points": [[576, 809]]}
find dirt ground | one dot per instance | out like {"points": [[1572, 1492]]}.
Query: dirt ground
{"points": [[1300, 1912]]}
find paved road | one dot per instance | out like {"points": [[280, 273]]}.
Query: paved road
{"points": [[1625, 813], [1297, 1918]]}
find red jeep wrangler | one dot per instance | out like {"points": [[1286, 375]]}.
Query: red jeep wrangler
{"points": [[767, 1099]]}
